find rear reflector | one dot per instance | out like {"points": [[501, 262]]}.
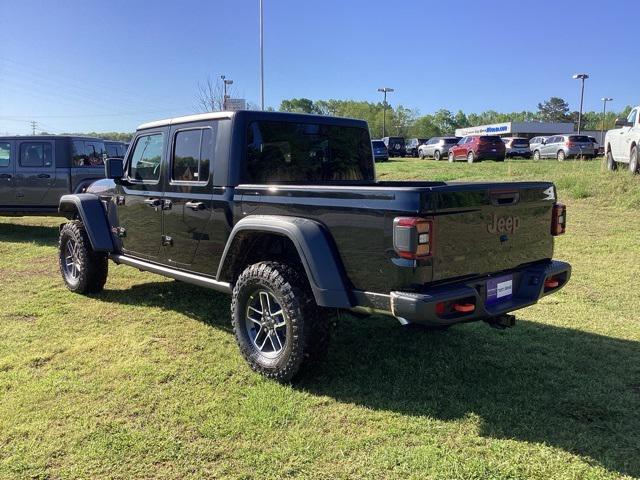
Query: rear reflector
{"points": [[551, 283], [464, 307], [413, 237], [559, 219]]}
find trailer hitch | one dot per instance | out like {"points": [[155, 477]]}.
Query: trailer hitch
{"points": [[502, 321]]}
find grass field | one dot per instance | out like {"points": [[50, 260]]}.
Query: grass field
{"points": [[145, 380]]}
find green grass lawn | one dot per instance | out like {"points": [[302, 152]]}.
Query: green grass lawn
{"points": [[145, 380]]}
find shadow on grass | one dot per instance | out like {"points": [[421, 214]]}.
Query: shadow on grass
{"points": [[537, 383], [38, 234]]}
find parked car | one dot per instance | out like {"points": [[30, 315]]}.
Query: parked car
{"points": [[474, 148], [283, 212], [536, 142], [516, 147], [412, 145], [35, 171], [565, 146], [597, 148], [115, 149], [380, 152], [622, 143], [395, 146], [437, 147]]}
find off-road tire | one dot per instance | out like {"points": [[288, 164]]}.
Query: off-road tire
{"points": [[92, 267], [634, 162], [307, 325], [612, 165], [437, 156]]}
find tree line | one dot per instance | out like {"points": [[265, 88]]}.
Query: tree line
{"points": [[407, 122]]}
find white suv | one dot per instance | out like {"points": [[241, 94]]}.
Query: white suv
{"points": [[622, 143]]}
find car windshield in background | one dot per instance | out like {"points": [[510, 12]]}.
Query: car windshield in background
{"points": [[490, 138], [378, 144], [579, 139], [307, 153], [451, 141], [521, 142]]}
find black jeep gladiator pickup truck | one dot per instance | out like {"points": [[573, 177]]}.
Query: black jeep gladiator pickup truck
{"points": [[283, 212], [35, 171]]}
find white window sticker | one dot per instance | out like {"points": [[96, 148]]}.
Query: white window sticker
{"points": [[504, 289]]}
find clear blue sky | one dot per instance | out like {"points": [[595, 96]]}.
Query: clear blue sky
{"points": [[111, 65]]}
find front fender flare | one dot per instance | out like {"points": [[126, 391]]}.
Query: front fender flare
{"points": [[89, 209], [315, 249]]}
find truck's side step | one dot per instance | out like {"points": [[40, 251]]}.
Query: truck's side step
{"points": [[186, 277]]}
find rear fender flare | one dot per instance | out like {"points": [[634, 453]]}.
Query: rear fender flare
{"points": [[315, 249], [89, 209]]}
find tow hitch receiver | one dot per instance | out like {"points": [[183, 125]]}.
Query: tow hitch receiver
{"points": [[502, 321]]}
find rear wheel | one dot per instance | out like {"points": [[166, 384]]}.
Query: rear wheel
{"points": [[634, 166], [437, 155], [612, 165], [277, 324], [470, 157], [561, 156], [82, 269], [536, 155]]}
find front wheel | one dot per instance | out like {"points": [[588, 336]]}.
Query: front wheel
{"points": [[536, 155], [561, 156], [470, 157], [421, 155], [436, 155], [452, 158], [612, 165], [634, 164], [83, 270], [277, 324]]}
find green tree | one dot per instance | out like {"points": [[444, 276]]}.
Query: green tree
{"points": [[554, 110], [298, 105]]}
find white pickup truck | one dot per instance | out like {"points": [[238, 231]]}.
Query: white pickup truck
{"points": [[622, 144]]}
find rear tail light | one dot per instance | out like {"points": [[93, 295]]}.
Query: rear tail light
{"points": [[569, 144], [559, 219], [413, 237]]}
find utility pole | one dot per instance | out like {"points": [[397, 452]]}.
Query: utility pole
{"points": [[34, 124], [583, 77], [604, 116], [225, 96], [384, 90], [261, 58]]}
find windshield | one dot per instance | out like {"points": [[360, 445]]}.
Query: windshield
{"points": [[378, 144], [289, 152], [520, 142], [579, 139], [490, 138]]}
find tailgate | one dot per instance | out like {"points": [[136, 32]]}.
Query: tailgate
{"points": [[484, 228]]}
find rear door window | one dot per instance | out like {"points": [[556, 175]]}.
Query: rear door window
{"points": [[146, 158], [192, 155], [36, 154], [5, 154]]}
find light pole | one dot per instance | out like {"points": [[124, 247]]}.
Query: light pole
{"points": [[224, 98], [261, 59], [604, 116], [583, 77], [384, 90]]}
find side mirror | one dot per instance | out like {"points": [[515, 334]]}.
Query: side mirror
{"points": [[622, 122], [114, 169]]}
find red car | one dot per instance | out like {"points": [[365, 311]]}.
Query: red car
{"points": [[474, 148]]}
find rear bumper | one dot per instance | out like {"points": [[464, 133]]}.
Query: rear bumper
{"points": [[420, 307], [518, 154]]}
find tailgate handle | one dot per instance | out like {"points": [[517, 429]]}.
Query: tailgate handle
{"points": [[505, 198]]}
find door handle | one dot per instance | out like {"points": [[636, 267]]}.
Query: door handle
{"points": [[153, 202], [44, 175], [5, 175], [194, 205]]}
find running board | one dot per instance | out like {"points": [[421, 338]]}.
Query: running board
{"points": [[199, 280]]}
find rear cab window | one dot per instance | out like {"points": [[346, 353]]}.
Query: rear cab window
{"points": [[290, 152], [88, 153]]}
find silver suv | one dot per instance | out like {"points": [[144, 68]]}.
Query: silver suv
{"points": [[536, 142], [437, 147], [565, 146]]}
